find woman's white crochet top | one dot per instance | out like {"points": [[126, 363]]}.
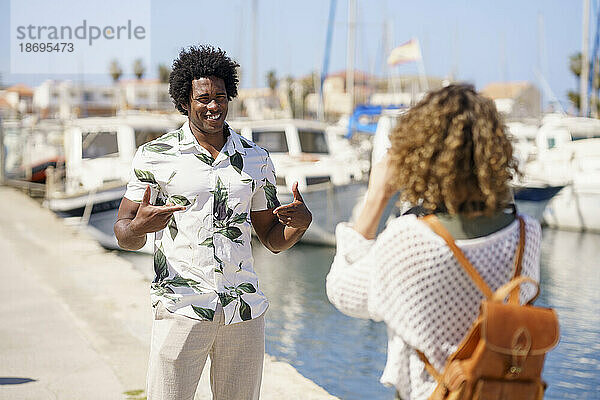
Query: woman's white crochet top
{"points": [[409, 278]]}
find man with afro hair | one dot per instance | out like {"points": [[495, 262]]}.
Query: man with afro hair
{"points": [[209, 187]]}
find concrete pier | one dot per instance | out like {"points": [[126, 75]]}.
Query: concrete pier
{"points": [[76, 319]]}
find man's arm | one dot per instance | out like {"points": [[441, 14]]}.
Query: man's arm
{"points": [[135, 220], [281, 228]]}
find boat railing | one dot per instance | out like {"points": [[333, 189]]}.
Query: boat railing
{"points": [[87, 211]]}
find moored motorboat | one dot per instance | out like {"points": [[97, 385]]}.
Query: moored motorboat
{"points": [[98, 154], [568, 154], [330, 176]]}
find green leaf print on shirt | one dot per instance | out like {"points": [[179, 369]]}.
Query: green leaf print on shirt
{"points": [[236, 293], [164, 291], [160, 200], [171, 177], [145, 176], [246, 287], [160, 265], [178, 134], [208, 242], [245, 311], [250, 181], [205, 158], [271, 194], [220, 201], [239, 218], [231, 232], [180, 200], [237, 162], [204, 313], [173, 227], [157, 147], [226, 298], [219, 267], [223, 216], [245, 143], [180, 281]]}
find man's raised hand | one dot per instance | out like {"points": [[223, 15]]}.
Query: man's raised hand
{"points": [[295, 214], [151, 218]]}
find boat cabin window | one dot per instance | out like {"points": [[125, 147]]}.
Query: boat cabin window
{"points": [[272, 141], [313, 141], [99, 144], [589, 136], [142, 137]]}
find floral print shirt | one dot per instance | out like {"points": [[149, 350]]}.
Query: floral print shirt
{"points": [[203, 256]]}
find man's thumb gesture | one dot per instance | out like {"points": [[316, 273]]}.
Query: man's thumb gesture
{"points": [[146, 198], [296, 193]]}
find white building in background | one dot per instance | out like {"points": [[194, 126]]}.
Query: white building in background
{"points": [[68, 99], [515, 100], [16, 100], [397, 90], [145, 94]]}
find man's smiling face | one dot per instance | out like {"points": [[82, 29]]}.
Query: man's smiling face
{"points": [[208, 105]]}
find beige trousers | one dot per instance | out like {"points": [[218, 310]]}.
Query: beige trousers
{"points": [[179, 348]]}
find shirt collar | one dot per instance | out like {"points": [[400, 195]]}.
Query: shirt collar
{"points": [[232, 144]]}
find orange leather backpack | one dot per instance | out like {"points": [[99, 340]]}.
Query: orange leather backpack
{"points": [[502, 356]]}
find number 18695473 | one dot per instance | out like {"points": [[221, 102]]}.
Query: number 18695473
{"points": [[49, 47]]}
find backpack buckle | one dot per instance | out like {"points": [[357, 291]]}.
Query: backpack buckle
{"points": [[521, 344]]}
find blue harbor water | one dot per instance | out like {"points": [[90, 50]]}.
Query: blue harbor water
{"points": [[346, 356]]}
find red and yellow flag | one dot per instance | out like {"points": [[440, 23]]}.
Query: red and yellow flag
{"points": [[406, 52]]}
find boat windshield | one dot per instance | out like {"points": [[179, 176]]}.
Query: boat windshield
{"points": [[588, 136], [272, 141], [144, 136], [313, 142], [99, 144]]}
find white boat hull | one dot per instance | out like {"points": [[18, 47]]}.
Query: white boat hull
{"points": [[534, 209], [101, 228], [329, 206], [104, 199], [532, 199], [574, 209]]}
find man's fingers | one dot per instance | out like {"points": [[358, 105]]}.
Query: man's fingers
{"points": [[280, 209], [146, 197], [296, 192], [286, 215], [286, 208], [170, 209]]}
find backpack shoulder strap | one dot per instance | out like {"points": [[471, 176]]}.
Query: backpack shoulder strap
{"points": [[430, 368], [514, 294], [438, 228]]}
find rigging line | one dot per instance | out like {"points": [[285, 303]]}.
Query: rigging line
{"points": [[596, 45]]}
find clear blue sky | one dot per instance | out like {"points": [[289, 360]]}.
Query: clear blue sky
{"points": [[481, 41]]}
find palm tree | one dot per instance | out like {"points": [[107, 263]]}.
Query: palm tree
{"points": [[115, 70], [575, 64], [138, 68], [272, 80], [163, 73], [575, 68]]}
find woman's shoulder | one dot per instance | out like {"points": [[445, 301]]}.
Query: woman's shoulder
{"points": [[407, 227]]}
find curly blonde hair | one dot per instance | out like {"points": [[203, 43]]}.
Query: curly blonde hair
{"points": [[450, 151]]}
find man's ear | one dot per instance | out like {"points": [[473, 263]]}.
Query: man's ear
{"points": [[185, 106]]}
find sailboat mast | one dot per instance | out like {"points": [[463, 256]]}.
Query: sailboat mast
{"points": [[254, 45], [541, 53], [325, 69], [350, 51], [585, 63]]}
